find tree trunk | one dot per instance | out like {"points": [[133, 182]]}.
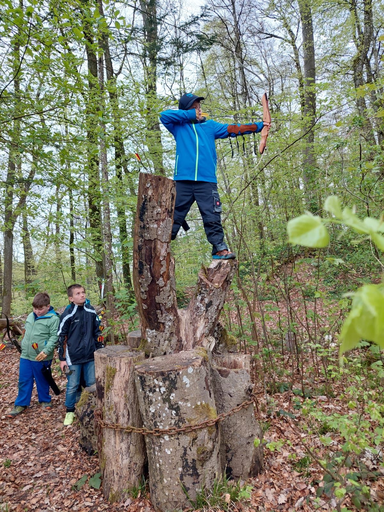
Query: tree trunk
{"points": [[151, 49], [309, 107], [153, 266], [122, 454], [201, 316], [72, 259], [176, 391], [106, 218], [232, 386], [85, 413], [92, 107]]}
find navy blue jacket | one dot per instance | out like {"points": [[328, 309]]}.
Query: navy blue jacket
{"points": [[196, 157], [79, 334]]}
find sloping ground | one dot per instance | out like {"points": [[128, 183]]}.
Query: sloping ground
{"points": [[41, 462]]}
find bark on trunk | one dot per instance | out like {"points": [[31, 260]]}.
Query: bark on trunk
{"points": [[153, 267], [175, 391], [202, 314], [85, 413], [232, 386], [122, 454]]}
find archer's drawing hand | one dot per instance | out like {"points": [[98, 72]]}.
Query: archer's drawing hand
{"points": [[41, 356]]}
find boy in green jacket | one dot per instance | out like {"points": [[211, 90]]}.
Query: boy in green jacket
{"points": [[37, 349]]}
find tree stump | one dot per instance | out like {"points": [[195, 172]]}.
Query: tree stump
{"points": [[122, 454], [200, 318], [85, 409], [153, 267], [232, 387], [176, 391]]}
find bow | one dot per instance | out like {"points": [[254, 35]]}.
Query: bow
{"points": [[267, 123]]}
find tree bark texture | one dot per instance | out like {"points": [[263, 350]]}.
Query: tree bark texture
{"points": [[200, 318], [122, 454], [153, 267], [85, 413], [165, 328], [176, 391], [232, 386]]}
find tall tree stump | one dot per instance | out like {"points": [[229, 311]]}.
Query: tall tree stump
{"points": [[232, 387], [121, 454], [153, 268], [175, 391]]}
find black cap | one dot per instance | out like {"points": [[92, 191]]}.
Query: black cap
{"points": [[187, 100]]}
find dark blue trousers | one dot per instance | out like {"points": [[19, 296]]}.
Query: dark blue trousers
{"points": [[207, 198], [30, 372]]}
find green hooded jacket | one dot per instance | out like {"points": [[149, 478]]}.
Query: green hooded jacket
{"points": [[43, 331]]}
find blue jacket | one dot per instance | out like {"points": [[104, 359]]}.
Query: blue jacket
{"points": [[79, 334], [196, 157]]}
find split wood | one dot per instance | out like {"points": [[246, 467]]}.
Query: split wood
{"points": [[173, 430]]}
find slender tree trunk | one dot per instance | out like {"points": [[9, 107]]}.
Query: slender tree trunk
{"points": [[94, 193], [150, 57], [29, 263], [72, 237], [309, 107], [120, 160], [107, 232]]}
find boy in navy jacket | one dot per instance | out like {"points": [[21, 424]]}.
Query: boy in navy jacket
{"points": [[79, 338], [195, 167]]}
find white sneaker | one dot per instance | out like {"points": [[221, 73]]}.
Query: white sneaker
{"points": [[69, 418]]}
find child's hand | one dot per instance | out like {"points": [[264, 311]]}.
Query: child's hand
{"points": [[41, 356]]}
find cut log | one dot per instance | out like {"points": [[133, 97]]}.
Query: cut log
{"points": [[14, 326], [200, 318], [85, 409], [175, 391], [122, 454], [153, 268], [134, 339], [232, 387]]}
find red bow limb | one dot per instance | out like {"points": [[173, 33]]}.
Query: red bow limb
{"points": [[267, 123]]}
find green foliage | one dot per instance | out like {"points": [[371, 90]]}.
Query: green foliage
{"points": [[223, 494], [80, 483], [138, 491], [95, 481], [7, 463], [366, 318], [308, 230]]}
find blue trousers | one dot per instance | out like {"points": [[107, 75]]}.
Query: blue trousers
{"points": [[30, 372], [72, 394], [207, 198]]}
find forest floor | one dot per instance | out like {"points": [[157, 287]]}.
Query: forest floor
{"points": [[41, 463]]}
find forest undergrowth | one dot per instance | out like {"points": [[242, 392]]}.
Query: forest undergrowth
{"points": [[323, 423]]}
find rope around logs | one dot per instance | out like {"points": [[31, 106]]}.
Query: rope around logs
{"points": [[172, 431]]}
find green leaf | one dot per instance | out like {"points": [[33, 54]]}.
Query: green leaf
{"points": [[366, 318], [79, 484], [353, 221], [77, 32], [378, 240], [309, 231], [332, 205], [374, 224], [95, 481]]}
